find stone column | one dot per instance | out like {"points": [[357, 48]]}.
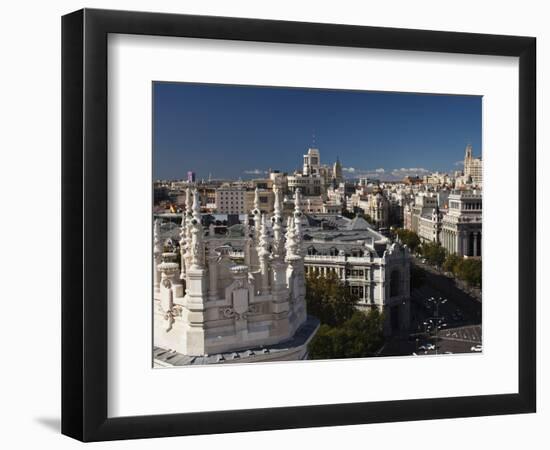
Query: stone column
{"points": [[458, 239], [475, 244], [455, 242]]}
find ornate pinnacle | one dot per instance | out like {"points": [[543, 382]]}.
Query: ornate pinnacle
{"points": [[262, 255], [194, 239], [290, 237], [298, 214], [277, 221], [196, 206], [263, 244], [188, 204], [183, 244], [297, 200], [257, 218]]}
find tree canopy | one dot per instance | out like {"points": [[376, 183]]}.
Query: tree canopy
{"points": [[469, 270], [409, 238], [451, 263], [345, 332], [360, 336], [434, 253], [328, 299]]}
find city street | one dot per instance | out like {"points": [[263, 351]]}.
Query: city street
{"points": [[459, 318]]}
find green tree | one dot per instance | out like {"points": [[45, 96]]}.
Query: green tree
{"points": [[451, 263], [434, 253], [409, 238], [329, 299], [469, 270], [359, 336]]}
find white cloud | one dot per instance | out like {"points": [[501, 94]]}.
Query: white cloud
{"points": [[410, 171], [459, 163], [354, 172], [255, 172]]}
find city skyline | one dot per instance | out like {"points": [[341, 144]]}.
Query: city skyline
{"points": [[231, 132]]}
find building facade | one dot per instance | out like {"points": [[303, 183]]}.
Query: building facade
{"points": [[461, 226], [375, 270]]}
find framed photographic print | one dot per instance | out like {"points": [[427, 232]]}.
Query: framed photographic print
{"points": [[273, 224]]}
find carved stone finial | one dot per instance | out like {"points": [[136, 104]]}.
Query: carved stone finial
{"points": [[196, 249], [290, 238], [196, 205], [188, 202], [263, 243], [257, 216], [263, 254], [298, 215], [277, 226]]}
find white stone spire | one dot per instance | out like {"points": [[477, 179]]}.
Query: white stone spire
{"points": [[257, 216], [196, 206], [298, 215], [183, 244], [290, 244], [188, 202], [277, 226], [263, 255], [196, 248], [157, 252], [186, 260]]}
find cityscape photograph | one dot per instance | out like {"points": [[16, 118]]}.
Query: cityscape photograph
{"points": [[313, 224]]}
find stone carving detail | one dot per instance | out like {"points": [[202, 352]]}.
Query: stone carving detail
{"points": [[196, 249], [227, 312], [170, 315]]}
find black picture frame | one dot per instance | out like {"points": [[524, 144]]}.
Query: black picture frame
{"points": [[84, 224]]}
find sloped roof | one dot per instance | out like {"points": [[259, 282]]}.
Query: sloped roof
{"points": [[358, 223]]}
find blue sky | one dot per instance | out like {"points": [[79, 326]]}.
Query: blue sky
{"points": [[241, 131]]}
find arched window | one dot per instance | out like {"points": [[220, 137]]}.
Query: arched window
{"points": [[395, 283]]}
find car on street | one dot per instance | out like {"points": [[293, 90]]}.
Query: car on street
{"points": [[476, 348], [427, 347]]}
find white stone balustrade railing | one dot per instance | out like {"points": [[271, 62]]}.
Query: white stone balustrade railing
{"points": [[329, 258]]}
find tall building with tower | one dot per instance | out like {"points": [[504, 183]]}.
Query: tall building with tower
{"points": [[473, 167], [315, 178]]}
